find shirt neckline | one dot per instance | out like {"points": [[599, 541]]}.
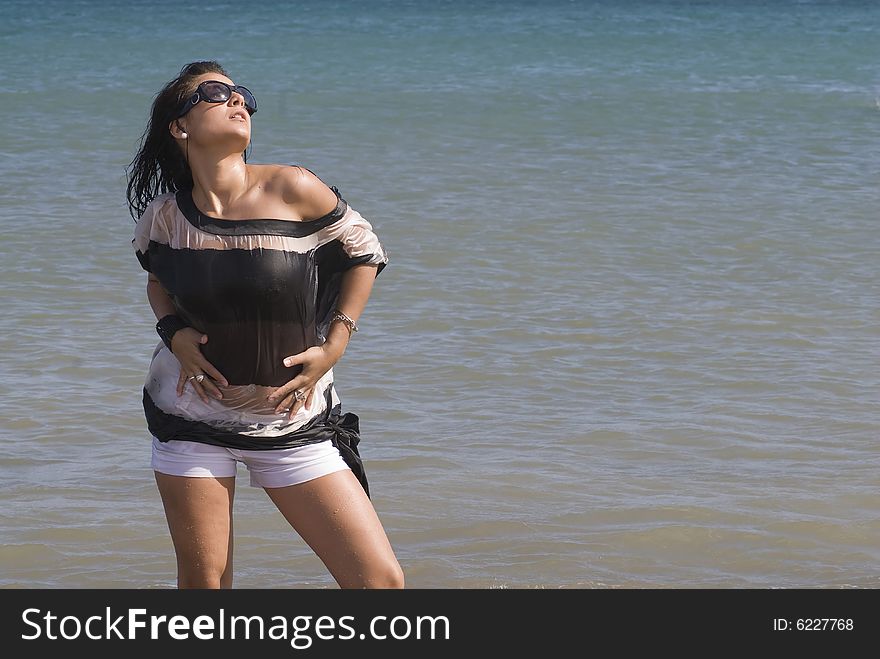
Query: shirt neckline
{"points": [[251, 226]]}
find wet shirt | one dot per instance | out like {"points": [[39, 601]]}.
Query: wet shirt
{"points": [[261, 290]]}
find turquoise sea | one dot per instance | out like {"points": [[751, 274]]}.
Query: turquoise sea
{"points": [[628, 336]]}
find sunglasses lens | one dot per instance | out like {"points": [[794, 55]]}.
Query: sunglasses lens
{"points": [[215, 92], [250, 103]]}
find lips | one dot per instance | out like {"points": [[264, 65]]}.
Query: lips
{"points": [[239, 115]]}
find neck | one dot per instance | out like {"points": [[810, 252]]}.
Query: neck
{"points": [[219, 183]]}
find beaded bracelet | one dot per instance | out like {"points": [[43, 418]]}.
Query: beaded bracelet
{"points": [[346, 320]]}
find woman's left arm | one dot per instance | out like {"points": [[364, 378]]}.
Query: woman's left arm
{"points": [[356, 286]]}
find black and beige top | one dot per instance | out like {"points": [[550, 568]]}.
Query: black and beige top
{"points": [[260, 289]]}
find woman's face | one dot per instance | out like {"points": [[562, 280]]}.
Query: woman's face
{"points": [[218, 123]]}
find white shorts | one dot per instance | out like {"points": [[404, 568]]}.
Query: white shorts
{"points": [[269, 468]]}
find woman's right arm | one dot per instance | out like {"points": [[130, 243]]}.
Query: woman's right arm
{"points": [[158, 297], [185, 345]]}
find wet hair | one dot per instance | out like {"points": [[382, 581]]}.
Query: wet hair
{"points": [[159, 165]]}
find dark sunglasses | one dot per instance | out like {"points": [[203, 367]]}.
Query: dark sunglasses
{"points": [[214, 91]]}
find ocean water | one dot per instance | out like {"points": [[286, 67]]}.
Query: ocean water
{"points": [[628, 336]]}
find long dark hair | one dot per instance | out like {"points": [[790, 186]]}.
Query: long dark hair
{"points": [[159, 165]]}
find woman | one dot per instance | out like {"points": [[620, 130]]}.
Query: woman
{"points": [[257, 277]]}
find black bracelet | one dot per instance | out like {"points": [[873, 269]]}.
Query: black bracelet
{"points": [[168, 326]]}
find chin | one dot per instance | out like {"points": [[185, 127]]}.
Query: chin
{"points": [[240, 142]]}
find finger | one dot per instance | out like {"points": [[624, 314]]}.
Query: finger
{"points": [[298, 403], [289, 403], [284, 405], [293, 360], [212, 378], [214, 374], [199, 388], [181, 382], [211, 388], [294, 408], [286, 389]]}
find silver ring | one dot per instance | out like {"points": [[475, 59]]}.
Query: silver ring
{"points": [[298, 394], [191, 378], [200, 377]]}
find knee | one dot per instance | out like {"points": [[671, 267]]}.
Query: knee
{"points": [[395, 578], [385, 574], [388, 576], [197, 581], [205, 579]]}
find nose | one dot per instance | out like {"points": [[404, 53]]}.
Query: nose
{"points": [[236, 98]]}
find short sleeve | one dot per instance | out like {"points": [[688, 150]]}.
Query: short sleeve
{"points": [[144, 229], [348, 242], [359, 242]]}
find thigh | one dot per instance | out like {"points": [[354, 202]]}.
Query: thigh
{"points": [[199, 514], [336, 518], [184, 458], [291, 466]]}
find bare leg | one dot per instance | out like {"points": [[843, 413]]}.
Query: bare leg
{"points": [[199, 514], [337, 520]]}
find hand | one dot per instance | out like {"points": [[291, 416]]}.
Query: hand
{"points": [[315, 361], [186, 346]]}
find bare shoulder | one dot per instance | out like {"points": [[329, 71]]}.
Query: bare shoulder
{"points": [[301, 190]]}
